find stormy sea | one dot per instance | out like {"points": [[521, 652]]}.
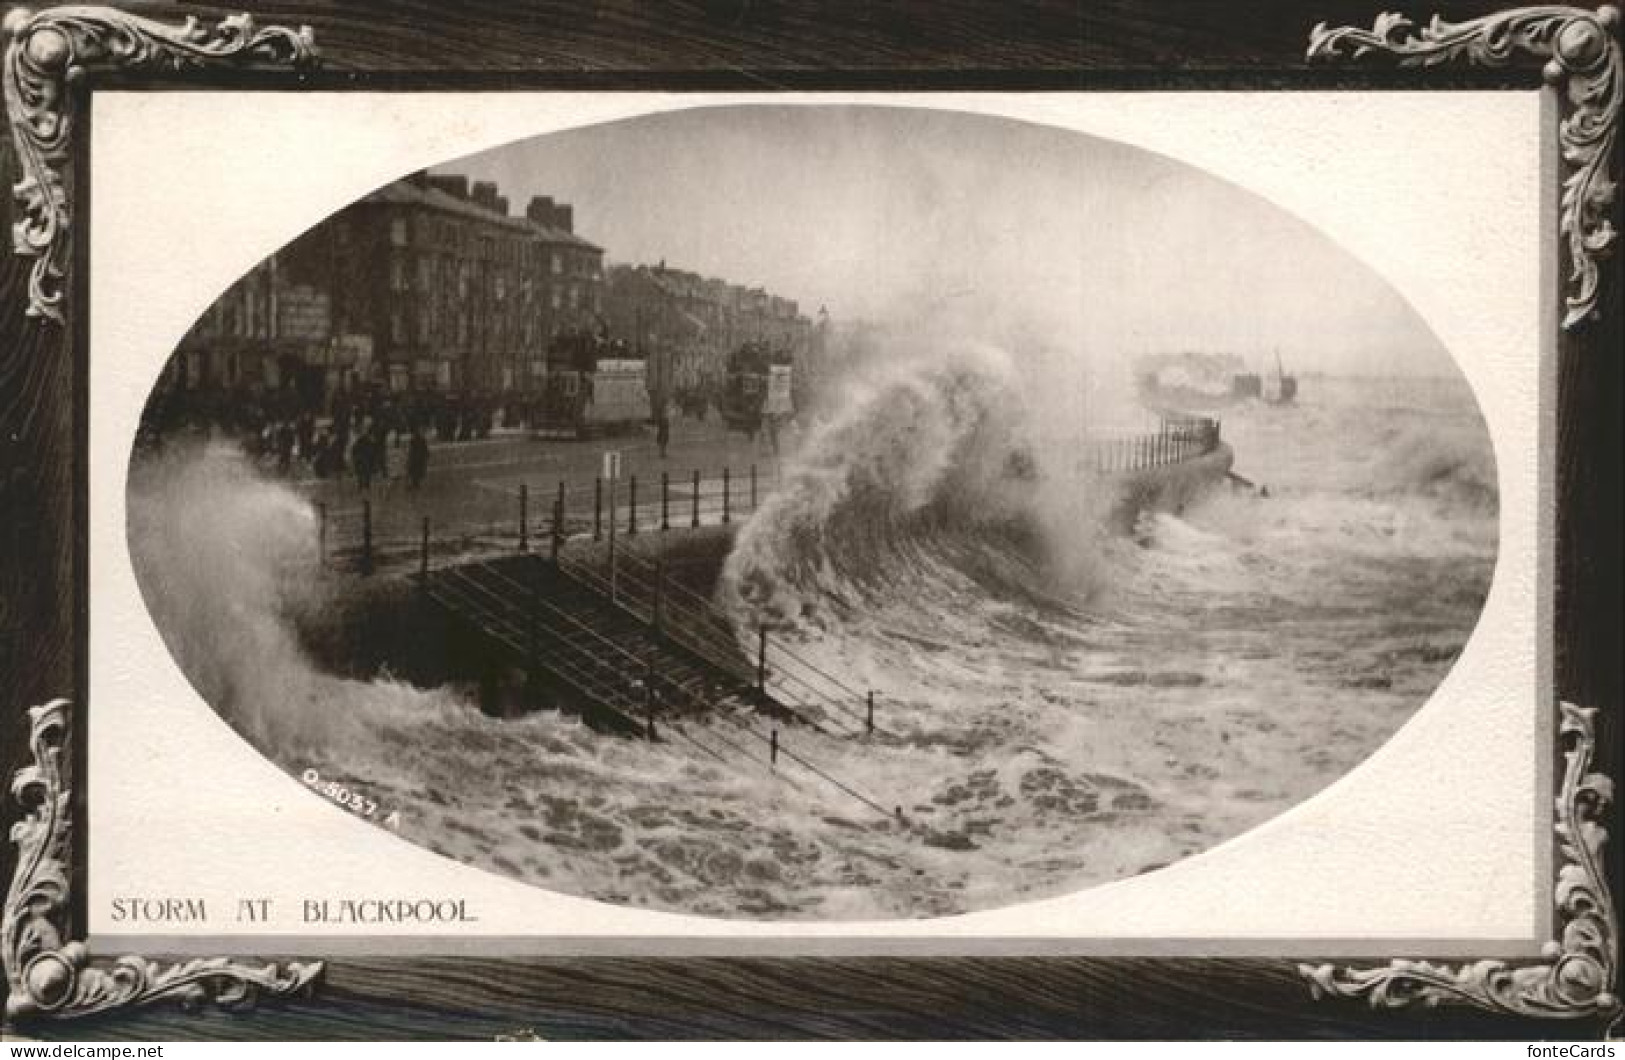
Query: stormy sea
{"points": [[1067, 692]]}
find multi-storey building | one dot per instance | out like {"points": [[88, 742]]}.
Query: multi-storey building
{"points": [[427, 283], [688, 324], [471, 295]]}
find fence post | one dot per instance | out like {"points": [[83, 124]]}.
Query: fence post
{"points": [[761, 659], [869, 720], [366, 537], [725, 497], [696, 499], [612, 595], [665, 500], [558, 524], [773, 748], [753, 487], [321, 532], [423, 557], [632, 505], [524, 517], [597, 509]]}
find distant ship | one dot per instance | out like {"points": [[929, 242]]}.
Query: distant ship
{"points": [[1189, 382], [1277, 388]]}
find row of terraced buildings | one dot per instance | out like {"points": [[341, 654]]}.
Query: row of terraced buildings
{"points": [[434, 283]]}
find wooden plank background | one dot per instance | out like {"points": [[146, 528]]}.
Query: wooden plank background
{"points": [[769, 43]]}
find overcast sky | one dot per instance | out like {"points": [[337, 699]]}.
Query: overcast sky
{"points": [[986, 228]]}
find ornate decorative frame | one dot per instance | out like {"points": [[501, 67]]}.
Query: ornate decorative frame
{"points": [[50, 977]]}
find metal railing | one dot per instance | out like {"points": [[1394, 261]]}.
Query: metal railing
{"points": [[371, 531], [1177, 439], [639, 585], [516, 615], [386, 527]]}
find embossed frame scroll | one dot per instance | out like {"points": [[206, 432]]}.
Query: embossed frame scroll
{"points": [[56, 57]]}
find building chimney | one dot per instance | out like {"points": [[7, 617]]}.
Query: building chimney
{"points": [[540, 209], [454, 184], [418, 179], [564, 217], [502, 205], [485, 193]]}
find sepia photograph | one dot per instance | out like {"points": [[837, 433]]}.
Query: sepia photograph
{"points": [[1079, 520], [824, 512]]}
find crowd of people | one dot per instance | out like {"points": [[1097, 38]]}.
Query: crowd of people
{"points": [[363, 446], [372, 437]]}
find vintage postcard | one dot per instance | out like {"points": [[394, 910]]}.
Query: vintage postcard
{"points": [[679, 530]]}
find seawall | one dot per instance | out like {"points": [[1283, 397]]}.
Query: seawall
{"points": [[1169, 487], [381, 621]]}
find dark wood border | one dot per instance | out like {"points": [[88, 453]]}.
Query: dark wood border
{"points": [[419, 44]]}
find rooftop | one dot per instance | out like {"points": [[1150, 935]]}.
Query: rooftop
{"points": [[406, 193]]}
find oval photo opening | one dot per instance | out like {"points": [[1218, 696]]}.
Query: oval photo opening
{"points": [[816, 513]]}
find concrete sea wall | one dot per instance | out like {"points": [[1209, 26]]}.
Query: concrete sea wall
{"points": [[1169, 487], [382, 622]]}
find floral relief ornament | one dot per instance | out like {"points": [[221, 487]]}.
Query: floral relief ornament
{"points": [[48, 976], [1582, 53], [46, 52], [1574, 977]]}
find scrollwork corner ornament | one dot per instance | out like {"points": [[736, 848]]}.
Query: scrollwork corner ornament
{"points": [[48, 976], [1574, 977], [46, 51], [1581, 50]]}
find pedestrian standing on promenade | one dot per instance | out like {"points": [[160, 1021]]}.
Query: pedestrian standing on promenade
{"points": [[417, 460], [321, 460], [284, 439], [306, 436], [362, 461]]}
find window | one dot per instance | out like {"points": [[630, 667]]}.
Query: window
{"points": [[558, 263], [558, 298], [425, 272], [397, 325], [397, 231], [575, 296], [423, 324], [397, 274]]}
